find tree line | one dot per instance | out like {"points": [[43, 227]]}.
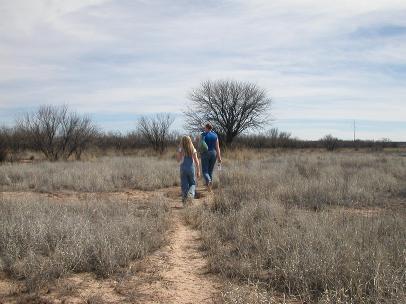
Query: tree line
{"points": [[61, 134], [233, 108]]}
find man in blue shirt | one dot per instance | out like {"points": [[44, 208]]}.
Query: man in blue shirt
{"points": [[209, 157]]}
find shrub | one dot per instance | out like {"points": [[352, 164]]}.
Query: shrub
{"points": [[259, 227], [155, 131], [316, 181], [3, 154], [329, 142], [104, 174], [41, 241], [57, 132], [4, 139], [326, 257]]}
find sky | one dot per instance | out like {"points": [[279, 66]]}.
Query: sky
{"points": [[323, 63]]}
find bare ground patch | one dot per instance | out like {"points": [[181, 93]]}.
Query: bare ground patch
{"points": [[179, 270]]}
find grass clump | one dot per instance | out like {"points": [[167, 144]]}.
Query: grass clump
{"points": [[315, 181], [261, 228], [103, 174], [41, 241], [326, 257]]}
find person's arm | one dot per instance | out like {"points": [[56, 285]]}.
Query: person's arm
{"points": [[218, 151], [179, 154], [197, 164]]}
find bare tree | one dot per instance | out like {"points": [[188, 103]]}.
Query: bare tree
{"points": [[330, 142], [82, 133], [57, 132], [4, 143], [231, 106], [155, 130]]}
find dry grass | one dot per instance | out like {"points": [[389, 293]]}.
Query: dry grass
{"points": [[103, 174], [41, 241], [320, 179], [260, 229], [250, 293]]}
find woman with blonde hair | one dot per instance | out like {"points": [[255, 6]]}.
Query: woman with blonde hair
{"points": [[189, 168]]}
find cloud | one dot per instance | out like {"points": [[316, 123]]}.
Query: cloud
{"points": [[340, 60]]}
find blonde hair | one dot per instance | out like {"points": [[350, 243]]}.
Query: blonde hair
{"points": [[187, 146]]}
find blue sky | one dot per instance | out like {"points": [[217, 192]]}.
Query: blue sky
{"points": [[324, 64]]}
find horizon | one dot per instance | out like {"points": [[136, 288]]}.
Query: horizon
{"points": [[342, 129], [324, 66]]}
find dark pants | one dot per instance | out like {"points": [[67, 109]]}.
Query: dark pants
{"points": [[208, 162]]}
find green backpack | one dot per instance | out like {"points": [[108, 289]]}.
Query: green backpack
{"points": [[202, 145]]}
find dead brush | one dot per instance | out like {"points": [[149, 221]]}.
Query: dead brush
{"points": [[260, 228], [41, 241], [316, 181], [326, 255], [100, 175]]}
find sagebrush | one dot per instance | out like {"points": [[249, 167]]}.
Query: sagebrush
{"points": [[102, 174], [43, 240], [262, 227]]}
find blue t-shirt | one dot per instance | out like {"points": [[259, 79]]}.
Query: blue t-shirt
{"points": [[210, 138]]}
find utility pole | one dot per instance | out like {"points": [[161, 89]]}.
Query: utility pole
{"points": [[354, 130]]}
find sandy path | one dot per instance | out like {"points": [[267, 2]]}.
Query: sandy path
{"points": [[180, 265], [176, 273], [190, 282]]}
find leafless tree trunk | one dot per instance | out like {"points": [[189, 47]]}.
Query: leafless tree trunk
{"points": [[81, 133], [155, 130], [4, 143], [231, 106], [57, 132]]}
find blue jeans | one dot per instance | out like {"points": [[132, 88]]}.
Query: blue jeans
{"points": [[187, 180], [208, 161]]}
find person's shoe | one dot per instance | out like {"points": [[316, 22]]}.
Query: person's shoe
{"points": [[209, 186]]}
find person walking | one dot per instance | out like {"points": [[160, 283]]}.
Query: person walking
{"points": [[189, 169], [211, 153]]}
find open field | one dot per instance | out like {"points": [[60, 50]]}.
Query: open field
{"points": [[325, 228], [99, 175], [280, 227]]}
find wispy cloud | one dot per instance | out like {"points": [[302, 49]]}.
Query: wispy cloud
{"points": [[318, 60]]}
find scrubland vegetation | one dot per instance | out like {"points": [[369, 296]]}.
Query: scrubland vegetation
{"points": [[99, 175], [41, 240], [280, 222], [313, 226]]}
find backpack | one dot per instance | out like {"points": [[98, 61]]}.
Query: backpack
{"points": [[202, 145]]}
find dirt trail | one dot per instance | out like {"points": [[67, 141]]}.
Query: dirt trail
{"points": [[180, 265], [176, 273]]}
